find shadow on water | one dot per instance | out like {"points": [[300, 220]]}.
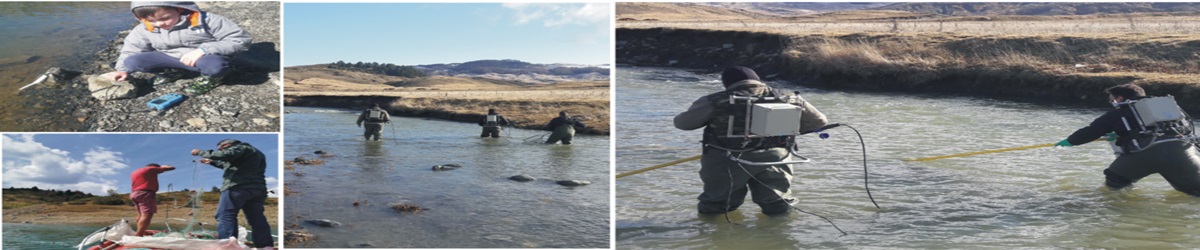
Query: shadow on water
{"points": [[1033, 198], [41, 35], [472, 206]]}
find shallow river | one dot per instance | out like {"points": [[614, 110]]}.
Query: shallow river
{"points": [[473, 206], [38, 35], [1045, 197]]}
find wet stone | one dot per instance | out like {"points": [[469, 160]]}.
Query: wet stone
{"points": [[573, 183], [324, 223], [522, 178]]}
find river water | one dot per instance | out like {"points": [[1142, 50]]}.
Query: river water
{"points": [[38, 35], [473, 206], [1046, 197]]}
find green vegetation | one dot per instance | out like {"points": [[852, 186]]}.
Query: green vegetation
{"points": [[19, 197], [378, 68]]}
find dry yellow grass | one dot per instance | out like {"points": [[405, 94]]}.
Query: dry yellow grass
{"points": [[108, 214], [528, 105], [1176, 28]]}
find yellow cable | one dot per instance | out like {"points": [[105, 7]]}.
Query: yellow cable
{"points": [[987, 152], [658, 166]]}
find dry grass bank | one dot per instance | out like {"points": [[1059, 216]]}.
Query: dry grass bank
{"points": [[530, 106], [1071, 58]]}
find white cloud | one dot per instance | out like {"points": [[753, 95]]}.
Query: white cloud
{"points": [[28, 163], [273, 184], [553, 15]]}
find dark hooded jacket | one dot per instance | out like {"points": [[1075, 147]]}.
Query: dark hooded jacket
{"points": [[244, 165]]}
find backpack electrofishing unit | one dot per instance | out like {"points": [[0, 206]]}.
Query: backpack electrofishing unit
{"points": [[491, 121], [1156, 120], [376, 115], [758, 122]]}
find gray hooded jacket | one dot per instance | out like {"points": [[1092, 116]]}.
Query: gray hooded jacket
{"points": [[214, 34]]}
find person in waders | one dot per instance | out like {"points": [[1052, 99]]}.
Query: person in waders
{"points": [[1149, 135], [492, 123], [374, 118], [563, 127], [726, 178]]}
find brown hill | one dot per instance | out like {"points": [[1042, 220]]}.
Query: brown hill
{"points": [[960, 9], [679, 11], [320, 78]]}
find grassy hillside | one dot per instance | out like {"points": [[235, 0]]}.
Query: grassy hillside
{"points": [[464, 99]]}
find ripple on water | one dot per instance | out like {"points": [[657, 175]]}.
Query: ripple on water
{"points": [[1022, 199], [469, 203]]}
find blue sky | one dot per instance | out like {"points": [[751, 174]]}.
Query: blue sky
{"points": [[95, 163], [428, 33]]}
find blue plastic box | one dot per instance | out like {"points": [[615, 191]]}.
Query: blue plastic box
{"points": [[165, 102]]}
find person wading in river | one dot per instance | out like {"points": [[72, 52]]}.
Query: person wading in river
{"points": [[726, 181], [145, 189], [492, 123], [563, 127], [374, 117], [1175, 160]]}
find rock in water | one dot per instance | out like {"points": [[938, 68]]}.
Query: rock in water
{"points": [[522, 178], [446, 167], [104, 89], [324, 223], [573, 183]]}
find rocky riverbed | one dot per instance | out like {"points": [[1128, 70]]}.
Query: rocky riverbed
{"points": [[247, 101]]}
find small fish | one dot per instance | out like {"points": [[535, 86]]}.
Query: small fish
{"points": [[40, 79]]}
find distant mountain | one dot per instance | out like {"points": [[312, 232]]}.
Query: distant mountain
{"points": [[514, 70], [730, 10], [967, 9], [796, 9]]}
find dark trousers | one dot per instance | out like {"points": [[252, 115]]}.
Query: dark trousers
{"points": [[494, 132], [155, 62], [372, 130], [249, 201], [1177, 162], [726, 182]]}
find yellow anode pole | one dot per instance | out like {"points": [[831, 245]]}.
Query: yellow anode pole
{"points": [[987, 152], [658, 166]]}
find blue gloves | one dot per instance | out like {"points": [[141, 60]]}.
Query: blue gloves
{"points": [[1063, 143], [1111, 136]]}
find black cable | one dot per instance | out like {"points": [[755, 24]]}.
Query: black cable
{"points": [[729, 196], [866, 182]]}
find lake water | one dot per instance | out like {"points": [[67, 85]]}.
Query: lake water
{"points": [[38, 35], [1047, 197], [36, 236], [470, 207]]}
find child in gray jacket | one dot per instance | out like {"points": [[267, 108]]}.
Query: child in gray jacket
{"points": [[175, 36]]}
